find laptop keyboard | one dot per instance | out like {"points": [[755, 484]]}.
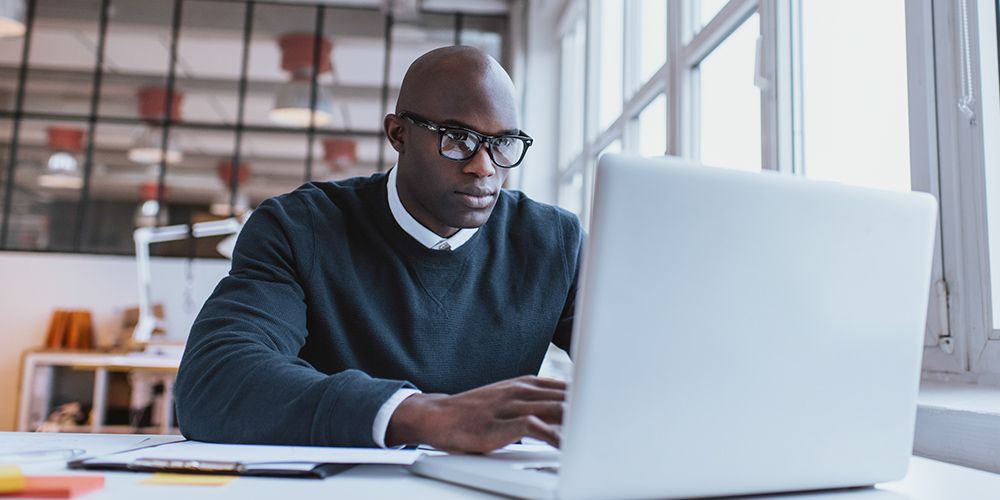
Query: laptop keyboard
{"points": [[551, 469]]}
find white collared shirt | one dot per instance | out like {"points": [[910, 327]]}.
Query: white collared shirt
{"points": [[429, 239], [425, 236]]}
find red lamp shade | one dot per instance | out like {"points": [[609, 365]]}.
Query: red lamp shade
{"points": [[153, 103], [227, 172], [340, 154], [65, 139], [148, 191], [297, 54]]}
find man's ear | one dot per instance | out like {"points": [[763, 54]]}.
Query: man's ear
{"points": [[394, 131]]}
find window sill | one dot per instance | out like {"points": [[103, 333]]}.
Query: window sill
{"points": [[959, 424]]}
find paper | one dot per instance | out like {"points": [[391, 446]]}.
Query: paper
{"points": [[11, 479], [188, 479], [26, 447], [298, 458]]}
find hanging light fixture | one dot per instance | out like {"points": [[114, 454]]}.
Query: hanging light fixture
{"points": [[11, 18], [62, 170], [339, 154], [292, 99], [221, 204], [149, 213], [146, 145]]}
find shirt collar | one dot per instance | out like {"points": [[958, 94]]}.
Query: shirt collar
{"points": [[425, 236]]}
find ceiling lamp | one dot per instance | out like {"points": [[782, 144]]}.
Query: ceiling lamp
{"points": [[340, 155], [11, 18], [149, 212], [292, 99], [227, 174], [146, 145], [62, 170]]}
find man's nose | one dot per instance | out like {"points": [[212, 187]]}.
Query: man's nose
{"points": [[480, 164]]}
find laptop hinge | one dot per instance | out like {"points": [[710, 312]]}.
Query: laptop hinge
{"points": [[945, 342]]}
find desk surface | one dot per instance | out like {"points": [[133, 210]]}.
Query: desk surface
{"points": [[927, 480]]}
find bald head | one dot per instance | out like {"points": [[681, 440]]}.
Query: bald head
{"points": [[459, 81]]}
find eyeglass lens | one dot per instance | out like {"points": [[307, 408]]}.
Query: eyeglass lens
{"points": [[459, 145]]}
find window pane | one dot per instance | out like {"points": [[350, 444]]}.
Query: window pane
{"points": [[47, 187], [266, 74], [707, 9], [571, 95], [62, 57], [208, 61], [136, 54], [653, 128], [610, 72], [10, 61], [653, 37], [855, 120], [571, 193], [990, 85], [730, 102]]}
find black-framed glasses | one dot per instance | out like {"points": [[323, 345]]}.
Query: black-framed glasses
{"points": [[460, 143]]}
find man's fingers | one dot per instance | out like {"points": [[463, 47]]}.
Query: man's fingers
{"points": [[533, 427], [549, 411], [547, 383], [528, 392]]}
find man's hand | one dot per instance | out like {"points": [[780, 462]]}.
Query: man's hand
{"points": [[482, 419]]}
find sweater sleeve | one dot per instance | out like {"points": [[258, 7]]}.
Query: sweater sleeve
{"points": [[573, 238], [241, 380]]}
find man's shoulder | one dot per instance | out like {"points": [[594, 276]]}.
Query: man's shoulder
{"points": [[522, 209], [328, 195]]}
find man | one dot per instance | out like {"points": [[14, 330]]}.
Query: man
{"points": [[405, 308]]}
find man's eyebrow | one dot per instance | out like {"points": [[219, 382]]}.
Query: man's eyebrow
{"points": [[457, 123]]}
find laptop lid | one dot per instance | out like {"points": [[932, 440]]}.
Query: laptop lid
{"points": [[744, 333]]}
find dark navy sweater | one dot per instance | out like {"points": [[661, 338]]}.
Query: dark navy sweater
{"points": [[330, 307]]}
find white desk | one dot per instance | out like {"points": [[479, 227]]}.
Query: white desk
{"points": [[927, 480]]}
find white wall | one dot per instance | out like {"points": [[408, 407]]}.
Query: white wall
{"points": [[32, 285]]}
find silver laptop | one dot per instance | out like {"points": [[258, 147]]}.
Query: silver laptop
{"points": [[736, 333]]}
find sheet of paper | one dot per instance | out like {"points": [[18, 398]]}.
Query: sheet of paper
{"points": [[31, 447], [265, 456], [188, 479]]}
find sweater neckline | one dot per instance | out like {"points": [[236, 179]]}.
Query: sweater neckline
{"points": [[407, 246]]}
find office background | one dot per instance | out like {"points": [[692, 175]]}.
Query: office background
{"points": [[117, 114]]}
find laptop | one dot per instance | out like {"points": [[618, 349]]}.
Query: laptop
{"points": [[737, 333]]}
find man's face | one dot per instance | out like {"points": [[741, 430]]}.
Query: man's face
{"points": [[444, 194]]}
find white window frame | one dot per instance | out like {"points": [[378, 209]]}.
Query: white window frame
{"points": [[961, 186], [946, 150]]}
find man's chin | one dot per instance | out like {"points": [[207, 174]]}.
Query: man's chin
{"points": [[474, 219]]}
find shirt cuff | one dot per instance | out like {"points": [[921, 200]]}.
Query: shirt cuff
{"points": [[381, 424]]}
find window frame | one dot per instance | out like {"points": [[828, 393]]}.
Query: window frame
{"points": [[960, 145], [946, 154]]}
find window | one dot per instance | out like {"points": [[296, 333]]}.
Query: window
{"points": [[573, 54], [652, 43], [729, 107], [855, 116], [610, 73], [990, 85], [893, 95], [202, 108], [707, 9], [653, 128]]}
